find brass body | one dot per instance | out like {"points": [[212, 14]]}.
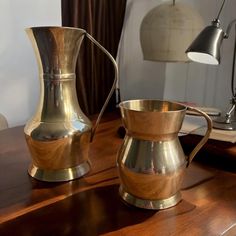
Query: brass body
{"points": [[151, 161], [58, 135]]}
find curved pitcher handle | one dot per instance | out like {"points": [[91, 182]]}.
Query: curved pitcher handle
{"points": [[204, 139], [113, 85]]}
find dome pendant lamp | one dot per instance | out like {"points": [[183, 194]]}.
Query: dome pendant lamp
{"points": [[167, 30]]}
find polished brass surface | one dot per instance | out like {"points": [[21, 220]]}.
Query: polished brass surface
{"points": [[59, 174], [151, 161], [58, 135], [150, 204]]}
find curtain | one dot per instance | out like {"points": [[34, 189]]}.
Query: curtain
{"points": [[103, 19]]}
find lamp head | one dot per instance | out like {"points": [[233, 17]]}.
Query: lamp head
{"points": [[206, 47]]}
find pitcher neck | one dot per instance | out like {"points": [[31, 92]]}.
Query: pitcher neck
{"points": [[56, 48]]}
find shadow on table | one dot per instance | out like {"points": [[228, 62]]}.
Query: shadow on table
{"points": [[91, 212]]}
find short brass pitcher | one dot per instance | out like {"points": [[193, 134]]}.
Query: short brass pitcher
{"points": [[58, 135], [151, 161]]}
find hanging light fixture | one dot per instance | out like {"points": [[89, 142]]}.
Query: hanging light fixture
{"points": [[167, 30]]}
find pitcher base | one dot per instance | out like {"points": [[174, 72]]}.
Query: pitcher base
{"points": [[59, 175], [150, 204]]}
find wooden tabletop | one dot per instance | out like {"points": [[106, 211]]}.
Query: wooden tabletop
{"points": [[91, 205]]}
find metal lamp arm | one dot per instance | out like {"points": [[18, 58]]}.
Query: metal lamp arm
{"points": [[227, 32], [228, 114], [222, 5], [216, 23]]}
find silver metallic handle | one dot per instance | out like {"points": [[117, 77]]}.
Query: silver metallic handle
{"points": [[113, 85], [206, 136]]}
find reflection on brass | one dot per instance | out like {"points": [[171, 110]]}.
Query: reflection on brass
{"points": [[150, 204], [58, 135], [151, 160]]}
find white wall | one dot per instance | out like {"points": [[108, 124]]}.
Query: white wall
{"points": [[191, 82], [138, 78], [19, 84]]}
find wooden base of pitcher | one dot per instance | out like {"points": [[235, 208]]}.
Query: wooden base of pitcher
{"points": [[59, 175], [150, 204]]}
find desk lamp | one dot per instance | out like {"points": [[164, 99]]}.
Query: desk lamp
{"points": [[206, 49]]}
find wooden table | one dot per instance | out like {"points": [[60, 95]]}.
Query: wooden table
{"points": [[91, 204]]}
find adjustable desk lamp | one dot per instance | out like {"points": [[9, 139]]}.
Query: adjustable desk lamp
{"points": [[206, 49]]}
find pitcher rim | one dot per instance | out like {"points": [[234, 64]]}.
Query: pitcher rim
{"points": [[55, 27], [121, 105]]}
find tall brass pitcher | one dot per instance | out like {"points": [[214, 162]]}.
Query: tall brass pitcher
{"points": [[59, 133]]}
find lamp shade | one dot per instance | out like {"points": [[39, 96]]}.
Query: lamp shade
{"points": [[167, 30], [206, 47]]}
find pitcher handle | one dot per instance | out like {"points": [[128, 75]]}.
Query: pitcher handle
{"points": [[206, 136], [113, 85]]}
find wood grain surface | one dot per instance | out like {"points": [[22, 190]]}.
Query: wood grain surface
{"points": [[91, 205]]}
